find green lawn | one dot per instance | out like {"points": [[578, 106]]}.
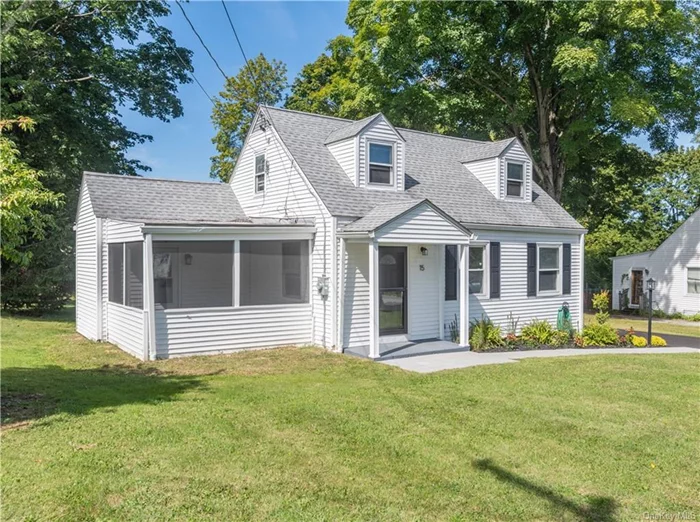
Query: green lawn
{"points": [[92, 434], [641, 324]]}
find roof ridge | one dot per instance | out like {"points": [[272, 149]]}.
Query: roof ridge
{"points": [[348, 120], [125, 176]]}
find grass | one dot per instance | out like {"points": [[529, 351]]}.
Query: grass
{"points": [[640, 324], [302, 434]]}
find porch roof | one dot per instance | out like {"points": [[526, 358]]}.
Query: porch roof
{"points": [[163, 201], [414, 218]]}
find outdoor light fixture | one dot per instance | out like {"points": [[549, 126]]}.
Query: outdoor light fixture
{"points": [[651, 285], [424, 251], [188, 259]]}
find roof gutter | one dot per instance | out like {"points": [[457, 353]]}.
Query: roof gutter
{"points": [[241, 229], [516, 228]]}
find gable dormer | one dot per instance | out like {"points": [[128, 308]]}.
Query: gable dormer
{"points": [[371, 152], [503, 167]]}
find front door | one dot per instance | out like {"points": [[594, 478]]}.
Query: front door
{"points": [[637, 286], [392, 290]]}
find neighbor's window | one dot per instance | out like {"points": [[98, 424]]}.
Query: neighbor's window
{"points": [[193, 274], [260, 173], [694, 280], [133, 289], [514, 183], [476, 270], [450, 272], [548, 269], [381, 163], [116, 272], [274, 272]]}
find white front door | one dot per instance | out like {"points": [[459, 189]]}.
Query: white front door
{"points": [[423, 292]]}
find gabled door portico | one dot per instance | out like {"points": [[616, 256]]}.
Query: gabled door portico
{"points": [[421, 230]]}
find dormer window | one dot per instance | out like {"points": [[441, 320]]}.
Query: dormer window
{"points": [[381, 164], [260, 173], [515, 181]]}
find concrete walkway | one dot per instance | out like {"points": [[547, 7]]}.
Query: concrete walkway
{"points": [[450, 361]]}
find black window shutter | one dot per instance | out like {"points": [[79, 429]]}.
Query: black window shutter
{"points": [[531, 269], [566, 272], [495, 270]]}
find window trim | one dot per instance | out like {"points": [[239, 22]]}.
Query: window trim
{"points": [[257, 174], [521, 181], [485, 268], [558, 290], [485, 293], [688, 293], [392, 165]]}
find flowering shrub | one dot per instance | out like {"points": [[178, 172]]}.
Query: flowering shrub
{"points": [[638, 341], [657, 341], [601, 302], [599, 335]]}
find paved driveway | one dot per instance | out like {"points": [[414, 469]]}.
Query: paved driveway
{"points": [[448, 361]]}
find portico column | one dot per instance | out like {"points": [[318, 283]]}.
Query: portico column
{"points": [[464, 295], [149, 351], [373, 299]]}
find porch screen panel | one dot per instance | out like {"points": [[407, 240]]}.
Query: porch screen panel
{"points": [[193, 274], [134, 275], [116, 272], [274, 272]]}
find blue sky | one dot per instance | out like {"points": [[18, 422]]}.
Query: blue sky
{"points": [[293, 32]]}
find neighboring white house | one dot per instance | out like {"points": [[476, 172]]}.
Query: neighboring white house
{"points": [[344, 234], [674, 265]]}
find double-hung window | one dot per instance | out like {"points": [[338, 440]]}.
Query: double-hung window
{"points": [[548, 268], [381, 164], [514, 180], [476, 269], [260, 174], [694, 280]]}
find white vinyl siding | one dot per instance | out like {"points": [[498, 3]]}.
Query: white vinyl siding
{"points": [[287, 194], [421, 224], [668, 266], [126, 328], [356, 295], [122, 231], [223, 330], [87, 303], [514, 283], [345, 153], [382, 133], [515, 154], [485, 171]]}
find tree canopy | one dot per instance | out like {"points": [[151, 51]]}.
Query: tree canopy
{"points": [[260, 82], [73, 67]]}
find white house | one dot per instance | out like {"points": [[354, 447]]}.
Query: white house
{"points": [[351, 235], [674, 265]]}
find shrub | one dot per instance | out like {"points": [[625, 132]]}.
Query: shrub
{"points": [[624, 339], [538, 333], [578, 340], [561, 338], [657, 341], [599, 335], [483, 334], [601, 302], [638, 341]]}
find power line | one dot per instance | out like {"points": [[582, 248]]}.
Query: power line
{"points": [[173, 48], [240, 46], [200, 39]]}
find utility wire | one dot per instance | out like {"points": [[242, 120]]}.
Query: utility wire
{"points": [[200, 39], [173, 48], [240, 46]]}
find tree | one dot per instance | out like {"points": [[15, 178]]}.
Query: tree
{"points": [[561, 76], [23, 199], [324, 86], [72, 67], [262, 82]]}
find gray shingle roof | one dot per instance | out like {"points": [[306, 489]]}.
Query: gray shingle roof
{"points": [[354, 128], [162, 201], [478, 150], [380, 215], [433, 170]]}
